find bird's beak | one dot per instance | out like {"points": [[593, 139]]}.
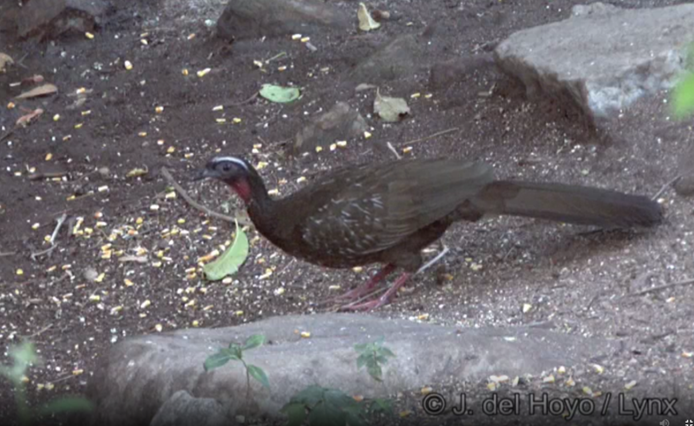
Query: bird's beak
{"points": [[204, 174]]}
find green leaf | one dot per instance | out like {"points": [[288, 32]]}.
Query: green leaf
{"points": [[279, 94], [230, 261], [310, 396], [219, 359], [235, 350], [296, 413], [67, 404], [683, 96], [387, 352], [326, 415], [258, 374], [254, 341], [381, 359], [361, 347], [361, 361], [375, 371], [355, 420]]}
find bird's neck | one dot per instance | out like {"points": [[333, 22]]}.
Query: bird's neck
{"points": [[254, 194]]}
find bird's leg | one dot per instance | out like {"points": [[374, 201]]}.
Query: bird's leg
{"points": [[383, 300], [366, 288]]}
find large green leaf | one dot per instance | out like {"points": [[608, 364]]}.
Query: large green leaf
{"points": [[279, 94], [296, 414], [258, 374], [254, 341], [230, 261], [683, 96], [65, 405], [310, 396], [219, 359], [325, 414]]}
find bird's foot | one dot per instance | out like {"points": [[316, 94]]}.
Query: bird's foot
{"points": [[383, 300], [366, 288]]}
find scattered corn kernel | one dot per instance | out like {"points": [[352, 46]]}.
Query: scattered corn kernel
{"points": [[20, 272], [296, 36], [56, 117], [159, 109], [204, 72], [159, 327], [367, 135], [305, 39], [236, 120], [319, 148], [128, 283], [145, 304], [220, 120], [184, 71], [305, 334], [89, 35], [128, 65], [79, 125]]}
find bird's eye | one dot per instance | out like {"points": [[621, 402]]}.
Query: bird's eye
{"points": [[226, 167]]}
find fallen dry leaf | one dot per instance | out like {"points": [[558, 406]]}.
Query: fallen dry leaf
{"points": [[390, 109], [136, 172], [366, 22], [5, 59], [46, 89], [26, 119]]}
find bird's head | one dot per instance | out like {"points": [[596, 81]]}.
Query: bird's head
{"points": [[234, 171], [226, 169]]}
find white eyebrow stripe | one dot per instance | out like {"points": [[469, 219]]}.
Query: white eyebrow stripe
{"points": [[233, 160]]}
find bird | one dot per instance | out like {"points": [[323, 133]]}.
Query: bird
{"points": [[387, 212]]}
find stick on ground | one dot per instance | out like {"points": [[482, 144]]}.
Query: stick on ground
{"points": [[662, 287], [441, 133], [165, 172]]}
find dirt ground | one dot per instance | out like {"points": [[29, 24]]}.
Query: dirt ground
{"points": [[572, 280]]}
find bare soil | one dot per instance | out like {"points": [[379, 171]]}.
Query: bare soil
{"points": [[573, 280]]}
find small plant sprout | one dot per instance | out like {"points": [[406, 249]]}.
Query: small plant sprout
{"points": [[373, 355], [235, 353], [24, 356]]}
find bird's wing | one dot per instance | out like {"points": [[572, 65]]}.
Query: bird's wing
{"points": [[376, 206]]}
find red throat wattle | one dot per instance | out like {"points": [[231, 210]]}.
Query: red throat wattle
{"points": [[243, 189]]}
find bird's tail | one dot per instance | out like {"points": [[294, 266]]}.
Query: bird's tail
{"points": [[568, 203]]}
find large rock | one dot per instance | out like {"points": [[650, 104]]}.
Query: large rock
{"points": [[398, 58], [139, 375], [604, 58], [51, 18], [184, 410], [342, 122], [256, 18]]}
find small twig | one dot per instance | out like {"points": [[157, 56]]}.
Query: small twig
{"points": [[392, 148], [59, 225], [432, 261], [8, 134], [662, 287], [165, 172], [46, 328], [255, 95], [665, 187], [441, 133], [49, 250]]}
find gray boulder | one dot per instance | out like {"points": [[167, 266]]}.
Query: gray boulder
{"points": [[184, 410], [256, 18], [139, 375], [342, 122], [603, 58]]}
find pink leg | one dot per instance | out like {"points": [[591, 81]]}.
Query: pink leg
{"points": [[366, 288], [385, 299]]}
